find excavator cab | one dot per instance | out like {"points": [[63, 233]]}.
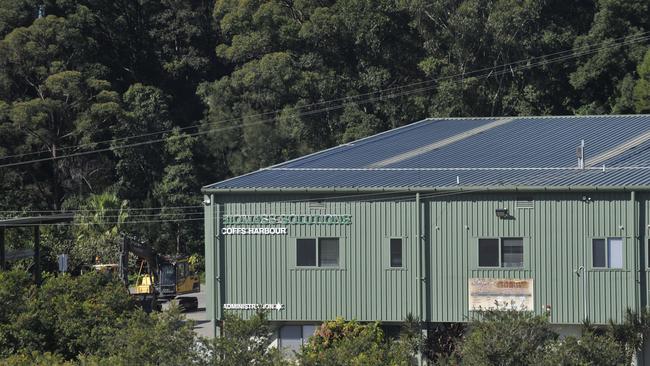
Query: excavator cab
{"points": [[176, 279], [167, 285]]}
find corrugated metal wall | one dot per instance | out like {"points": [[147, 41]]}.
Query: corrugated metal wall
{"points": [[557, 234], [261, 268]]}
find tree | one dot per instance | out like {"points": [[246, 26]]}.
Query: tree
{"points": [[506, 337], [151, 339], [603, 78], [58, 105], [245, 342], [98, 229], [90, 320], [288, 58], [642, 87], [349, 343], [139, 168], [177, 190], [17, 13], [36, 358], [67, 316], [589, 349]]}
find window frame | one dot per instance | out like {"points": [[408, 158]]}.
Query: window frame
{"points": [[390, 253], [524, 246], [607, 239], [317, 253]]}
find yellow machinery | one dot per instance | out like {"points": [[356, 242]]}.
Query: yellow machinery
{"points": [[144, 283], [166, 277]]}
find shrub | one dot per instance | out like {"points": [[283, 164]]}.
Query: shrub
{"points": [[151, 339], [341, 342], [66, 316], [591, 348], [506, 337], [245, 342]]}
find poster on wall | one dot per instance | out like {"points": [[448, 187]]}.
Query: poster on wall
{"points": [[502, 293]]}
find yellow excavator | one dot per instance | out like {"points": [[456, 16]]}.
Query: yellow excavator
{"points": [[164, 278]]}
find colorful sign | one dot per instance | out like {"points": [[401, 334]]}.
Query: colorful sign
{"points": [[499, 293]]}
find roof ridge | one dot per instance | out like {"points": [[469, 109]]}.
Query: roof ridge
{"points": [[353, 143], [544, 117]]}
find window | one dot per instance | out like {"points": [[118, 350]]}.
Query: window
{"points": [[328, 252], [488, 252], [607, 253], [306, 252], [294, 336], [396, 252], [512, 252], [504, 252], [181, 271], [325, 254]]}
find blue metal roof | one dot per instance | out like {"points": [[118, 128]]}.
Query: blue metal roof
{"points": [[473, 152]]}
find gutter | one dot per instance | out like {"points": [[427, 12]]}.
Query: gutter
{"points": [[468, 189]]}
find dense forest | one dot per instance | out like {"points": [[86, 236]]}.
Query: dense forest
{"points": [[121, 110]]}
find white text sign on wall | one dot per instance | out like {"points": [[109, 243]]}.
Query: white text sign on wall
{"points": [[253, 306], [492, 293], [254, 230]]}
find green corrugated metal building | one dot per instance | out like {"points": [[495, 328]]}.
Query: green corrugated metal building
{"points": [[437, 219]]}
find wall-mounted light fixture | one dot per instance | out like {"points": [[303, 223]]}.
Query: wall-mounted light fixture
{"points": [[502, 213]]}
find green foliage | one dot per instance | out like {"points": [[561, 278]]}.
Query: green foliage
{"points": [[139, 168], [442, 342], [152, 339], [244, 342], [260, 78], [632, 332], [590, 349], [36, 358], [506, 337], [519, 338], [88, 320], [179, 188], [642, 87], [600, 76], [98, 229], [341, 342], [67, 316]]}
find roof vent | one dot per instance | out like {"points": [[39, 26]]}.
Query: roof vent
{"points": [[580, 153], [316, 206], [524, 203]]}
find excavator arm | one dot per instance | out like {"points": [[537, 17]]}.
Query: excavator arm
{"points": [[131, 246]]}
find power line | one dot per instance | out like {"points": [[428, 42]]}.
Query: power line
{"points": [[375, 196], [565, 55], [110, 222], [406, 197], [569, 52], [107, 209]]}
